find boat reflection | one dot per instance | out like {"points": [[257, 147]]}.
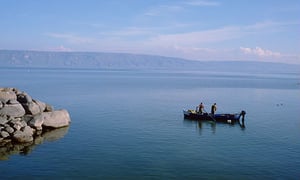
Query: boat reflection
{"points": [[10, 148], [202, 125]]}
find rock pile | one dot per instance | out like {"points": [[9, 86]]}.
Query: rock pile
{"points": [[22, 118]]}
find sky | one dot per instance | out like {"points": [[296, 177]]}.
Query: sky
{"points": [[204, 30]]}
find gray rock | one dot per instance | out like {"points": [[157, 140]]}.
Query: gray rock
{"points": [[24, 98], [3, 120], [32, 108], [27, 118], [12, 101], [18, 125], [7, 95], [41, 105], [4, 134], [15, 120], [1, 104], [25, 135], [13, 110], [21, 137], [8, 89], [23, 123], [49, 108], [9, 129], [17, 91], [37, 121], [28, 130], [56, 119]]}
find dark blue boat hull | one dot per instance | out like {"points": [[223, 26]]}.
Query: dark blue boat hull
{"points": [[227, 118]]}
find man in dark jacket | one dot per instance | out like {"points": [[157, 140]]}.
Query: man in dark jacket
{"points": [[213, 108]]}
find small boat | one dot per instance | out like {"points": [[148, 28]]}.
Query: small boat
{"points": [[227, 118]]}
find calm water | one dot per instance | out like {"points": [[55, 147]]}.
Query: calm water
{"points": [[129, 125]]}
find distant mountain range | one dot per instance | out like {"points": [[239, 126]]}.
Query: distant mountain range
{"points": [[100, 60]]}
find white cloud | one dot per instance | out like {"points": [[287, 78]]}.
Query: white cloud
{"points": [[199, 45], [60, 48], [198, 37], [260, 52], [154, 36], [229, 54]]}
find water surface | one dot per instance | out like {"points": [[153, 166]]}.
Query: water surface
{"points": [[129, 124]]}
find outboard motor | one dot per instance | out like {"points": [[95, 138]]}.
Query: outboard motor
{"points": [[242, 114]]}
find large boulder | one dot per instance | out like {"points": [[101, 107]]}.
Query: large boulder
{"points": [[13, 110], [24, 98], [54, 119], [37, 121], [6, 95], [24, 135], [34, 107], [31, 108]]}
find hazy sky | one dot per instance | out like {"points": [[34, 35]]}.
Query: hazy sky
{"points": [[265, 30]]}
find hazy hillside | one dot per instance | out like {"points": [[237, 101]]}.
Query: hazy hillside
{"points": [[40, 59], [87, 60]]}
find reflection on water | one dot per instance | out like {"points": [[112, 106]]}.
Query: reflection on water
{"points": [[9, 148], [202, 125]]}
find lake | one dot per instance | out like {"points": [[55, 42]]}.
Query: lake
{"points": [[128, 124]]}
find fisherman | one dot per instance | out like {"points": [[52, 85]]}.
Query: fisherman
{"points": [[201, 108], [213, 108]]}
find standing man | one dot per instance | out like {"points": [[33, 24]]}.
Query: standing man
{"points": [[213, 108], [201, 108]]}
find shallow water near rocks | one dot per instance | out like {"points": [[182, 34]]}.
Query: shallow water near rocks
{"points": [[129, 124]]}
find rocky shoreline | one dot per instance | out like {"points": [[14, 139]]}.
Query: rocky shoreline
{"points": [[23, 118]]}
